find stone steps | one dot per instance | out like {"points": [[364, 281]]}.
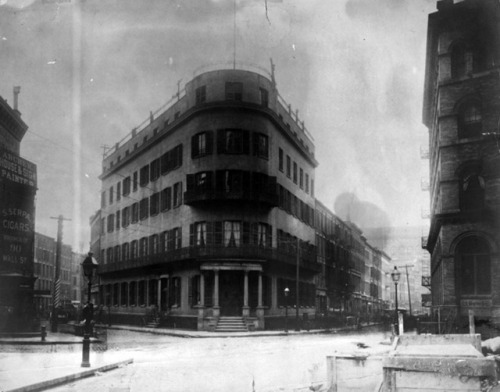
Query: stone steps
{"points": [[231, 324]]}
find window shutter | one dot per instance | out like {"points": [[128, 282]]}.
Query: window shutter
{"points": [[179, 155], [190, 183], [209, 141], [194, 146], [255, 144], [246, 141], [191, 234], [190, 290], [246, 233], [221, 146], [269, 235], [218, 233], [210, 234]]}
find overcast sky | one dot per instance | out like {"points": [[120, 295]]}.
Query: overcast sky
{"points": [[89, 74]]}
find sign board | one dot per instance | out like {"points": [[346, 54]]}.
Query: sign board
{"points": [[17, 207]]}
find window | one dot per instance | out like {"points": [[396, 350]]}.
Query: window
{"points": [[166, 199], [177, 197], [471, 191], [232, 181], [232, 233], [260, 145], [288, 167], [233, 141], [144, 176], [201, 144], [143, 247], [143, 208], [458, 60], [125, 251], [126, 186], [103, 199], [176, 238], [280, 160], [201, 94], [154, 205], [135, 181], [109, 255], [295, 172], [194, 295], [111, 221], [118, 191], [312, 187], [154, 171], [473, 261], [132, 293], [124, 294], [117, 254], [175, 292], [264, 97], [111, 195], [125, 216], [135, 213], [133, 249], [171, 160], [301, 178], [153, 244], [234, 91], [307, 183], [263, 235], [118, 216], [469, 120], [199, 231]]}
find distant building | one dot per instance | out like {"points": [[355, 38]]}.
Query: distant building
{"points": [[208, 211], [44, 272], [17, 199], [404, 247], [461, 110]]}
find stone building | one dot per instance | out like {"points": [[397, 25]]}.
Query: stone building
{"points": [[461, 109], [208, 211], [17, 200]]}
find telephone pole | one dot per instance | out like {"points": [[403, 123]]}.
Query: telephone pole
{"points": [[56, 295]]}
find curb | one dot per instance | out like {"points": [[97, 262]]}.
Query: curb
{"points": [[70, 377]]}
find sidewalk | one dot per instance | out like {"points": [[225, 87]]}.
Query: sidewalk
{"points": [[30, 364]]}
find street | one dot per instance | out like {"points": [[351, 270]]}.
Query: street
{"points": [[164, 363]]}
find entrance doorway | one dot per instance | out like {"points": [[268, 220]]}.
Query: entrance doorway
{"points": [[231, 293]]}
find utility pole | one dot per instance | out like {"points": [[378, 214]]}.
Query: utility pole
{"points": [[297, 319], [56, 295], [406, 266]]}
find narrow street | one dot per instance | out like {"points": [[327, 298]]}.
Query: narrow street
{"points": [[163, 363]]}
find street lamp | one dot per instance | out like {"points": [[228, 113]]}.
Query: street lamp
{"points": [[287, 291], [89, 267], [395, 276]]}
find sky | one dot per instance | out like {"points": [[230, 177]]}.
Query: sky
{"points": [[91, 70]]}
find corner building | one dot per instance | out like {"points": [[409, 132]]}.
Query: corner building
{"points": [[204, 206], [461, 110]]}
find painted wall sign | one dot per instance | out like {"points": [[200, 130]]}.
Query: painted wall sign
{"points": [[17, 169]]}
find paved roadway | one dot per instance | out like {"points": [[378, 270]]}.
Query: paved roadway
{"points": [[255, 364]]}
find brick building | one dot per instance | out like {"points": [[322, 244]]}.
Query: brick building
{"points": [[208, 211], [17, 201], [461, 110]]}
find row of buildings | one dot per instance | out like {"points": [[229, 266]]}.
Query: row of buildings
{"points": [[208, 210]]}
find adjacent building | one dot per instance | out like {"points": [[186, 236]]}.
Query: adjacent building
{"points": [[208, 211], [461, 110], [17, 200]]}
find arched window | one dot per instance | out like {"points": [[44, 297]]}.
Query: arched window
{"points": [[471, 191], [469, 120], [473, 261], [458, 60]]}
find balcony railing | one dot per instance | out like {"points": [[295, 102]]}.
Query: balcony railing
{"points": [[248, 252], [269, 198]]}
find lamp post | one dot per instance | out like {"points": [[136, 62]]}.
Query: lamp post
{"points": [[287, 291], [395, 276], [89, 267]]}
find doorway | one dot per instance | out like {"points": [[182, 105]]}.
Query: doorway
{"points": [[231, 293]]}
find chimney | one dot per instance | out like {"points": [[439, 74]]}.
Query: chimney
{"points": [[17, 90]]}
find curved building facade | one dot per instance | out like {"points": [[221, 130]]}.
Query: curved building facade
{"points": [[207, 210]]}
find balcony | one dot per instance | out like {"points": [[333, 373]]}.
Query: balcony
{"points": [[239, 253], [426, 281], [269, 199]]}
